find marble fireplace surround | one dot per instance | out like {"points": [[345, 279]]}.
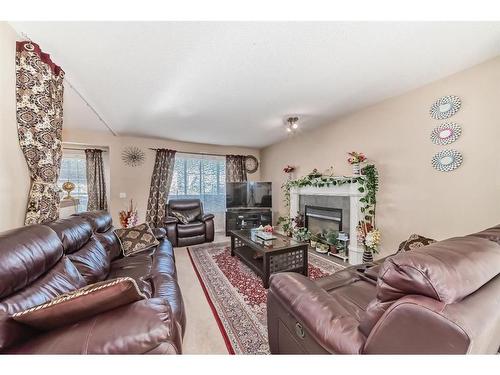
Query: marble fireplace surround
{"points": [[345, 190]]}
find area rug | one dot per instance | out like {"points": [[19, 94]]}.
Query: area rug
{"points": [[237, 297]]}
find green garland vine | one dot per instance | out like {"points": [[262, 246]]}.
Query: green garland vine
{"points": [[368, 184]]}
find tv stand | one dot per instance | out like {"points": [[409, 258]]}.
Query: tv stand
{"points": [[247, 218]]}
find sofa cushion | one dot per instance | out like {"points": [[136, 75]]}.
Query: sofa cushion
{"points": [[100, 221], [62, 278], [190, 230], [110, 243], [74, 232], [81, 304], [25, 254], [136, 239], [137, 267], [92, 261]]}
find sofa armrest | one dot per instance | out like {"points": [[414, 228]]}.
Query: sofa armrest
{"points": [[141, 327], [170, 220], [207, 217], [310, 314], [159, 233]]}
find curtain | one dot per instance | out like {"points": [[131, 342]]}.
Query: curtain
{"points": [[160, 186], [235, 168], [96, 186], [39, 110]]}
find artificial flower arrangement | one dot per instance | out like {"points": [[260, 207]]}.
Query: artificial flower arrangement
{"points": [[369, 236], [356, 157], [289, 169], [128, 217], [267, 228]]}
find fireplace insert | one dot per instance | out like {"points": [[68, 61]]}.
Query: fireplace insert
{"points": [[319, 219]]}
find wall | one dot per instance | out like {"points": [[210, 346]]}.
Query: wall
{"points": [[394, 134], [14, 176], [135, 181]]}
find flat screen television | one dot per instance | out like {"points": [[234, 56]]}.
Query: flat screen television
{"points": [[248, 195]]}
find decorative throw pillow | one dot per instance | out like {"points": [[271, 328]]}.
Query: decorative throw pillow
{"points": [[83, 303], [413, 242], [136, 239], [187, 216]]}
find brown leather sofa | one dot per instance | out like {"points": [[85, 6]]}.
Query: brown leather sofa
{"points": [[40, 262], [442, 298], [200, 228]]}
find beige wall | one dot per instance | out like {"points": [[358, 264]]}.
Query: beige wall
{"points": [[135, 181], [14, 176], [394, 134]]}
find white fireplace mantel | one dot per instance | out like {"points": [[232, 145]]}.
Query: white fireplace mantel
{"points": [[345, 190]]}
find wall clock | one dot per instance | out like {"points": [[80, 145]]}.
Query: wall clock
{"points": [[446, 133], [251, 164], [133, 156], [447, 160], [445, 107]]}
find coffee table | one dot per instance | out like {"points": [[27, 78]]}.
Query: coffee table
{"points": [[282, 254]]}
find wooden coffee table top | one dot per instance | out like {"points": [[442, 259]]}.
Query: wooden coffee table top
{"points": [[281, 242]]}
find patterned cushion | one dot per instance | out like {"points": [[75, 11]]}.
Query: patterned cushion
{"points": [[83, 303], [136, 239], [187, 216], [413, 242]]}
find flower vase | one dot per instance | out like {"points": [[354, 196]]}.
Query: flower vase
{"points": [[367, 255], [356, 169]]}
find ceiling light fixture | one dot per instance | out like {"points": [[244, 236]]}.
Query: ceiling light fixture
{"points": [[291, 124]]}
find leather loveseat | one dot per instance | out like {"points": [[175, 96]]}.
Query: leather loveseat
{"points": [[199, 228], [40, 262], [443, 298]]}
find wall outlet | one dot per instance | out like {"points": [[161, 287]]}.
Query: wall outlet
{"points": [[123, 195]]}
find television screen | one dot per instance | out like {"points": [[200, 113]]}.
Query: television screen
{"points": [[248, 194], [236, 194], [259, 194]]}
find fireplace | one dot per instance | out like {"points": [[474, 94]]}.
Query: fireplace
{"points": [[319, 219]]}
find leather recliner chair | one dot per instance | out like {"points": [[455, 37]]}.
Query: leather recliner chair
{"points": [[443, 298], [198, 230]]}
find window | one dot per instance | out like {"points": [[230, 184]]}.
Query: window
{"points": [[202, 177], [73, 168]]}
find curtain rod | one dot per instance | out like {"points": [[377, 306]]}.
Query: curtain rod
{"points": [[84, 148], [66, 80], [194, 153]]}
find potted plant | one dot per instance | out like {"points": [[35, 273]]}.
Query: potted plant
{"points": [[332, 239], [286, 225], [301, 234]]}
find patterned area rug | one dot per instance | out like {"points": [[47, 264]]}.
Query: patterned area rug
{"points": [[237, 297]]}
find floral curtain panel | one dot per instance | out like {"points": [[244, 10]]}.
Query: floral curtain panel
{"points": [[160, 186], [39, 97], [235, 168], [96, 186]]}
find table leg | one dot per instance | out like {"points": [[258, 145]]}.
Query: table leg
{"points": [[232, 246], [306, 261], [265, 278]]}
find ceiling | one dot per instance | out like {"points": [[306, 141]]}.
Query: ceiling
{"points": [[234, 83]]}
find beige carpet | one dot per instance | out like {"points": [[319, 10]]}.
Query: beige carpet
{"points": [[202, 334]]}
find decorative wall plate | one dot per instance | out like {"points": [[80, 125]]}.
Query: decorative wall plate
{"points": [[251, 164], [446, 133], [133, 156], [445, 107], [447, 160]]}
